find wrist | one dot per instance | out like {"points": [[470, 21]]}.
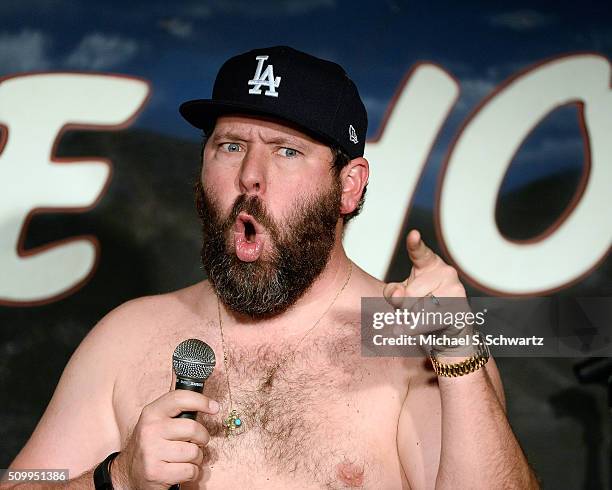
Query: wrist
{"points": [[455, 344], [461, 362], [117, 473]]}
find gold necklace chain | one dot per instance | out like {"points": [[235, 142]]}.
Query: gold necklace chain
{"points": [[234, 423]]}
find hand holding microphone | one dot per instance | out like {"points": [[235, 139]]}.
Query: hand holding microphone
{"points": [[165, 447]]}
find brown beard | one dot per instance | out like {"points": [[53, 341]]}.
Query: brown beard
{"points": [[300, 250]]}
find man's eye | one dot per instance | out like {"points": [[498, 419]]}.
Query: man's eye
{"points": [[289, 152], [231, 147]]}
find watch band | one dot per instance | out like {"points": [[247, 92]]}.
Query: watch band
{"points": [[101, 477], [464, 367]]}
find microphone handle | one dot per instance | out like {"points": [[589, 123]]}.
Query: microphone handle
{"points": [[191, 385]]}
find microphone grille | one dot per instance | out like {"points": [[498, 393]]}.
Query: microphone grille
{"points": [[194, 359]]}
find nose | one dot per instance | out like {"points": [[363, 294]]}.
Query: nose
{"points": [[252, 176]]}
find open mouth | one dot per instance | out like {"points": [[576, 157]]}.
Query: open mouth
{"points": [[249, 237]]}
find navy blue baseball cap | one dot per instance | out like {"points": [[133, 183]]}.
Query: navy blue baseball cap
{"points": [[314, 94]]}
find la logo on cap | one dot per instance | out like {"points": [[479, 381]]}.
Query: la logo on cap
{"points": [[266, 78]]}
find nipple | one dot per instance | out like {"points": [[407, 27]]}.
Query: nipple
{"points": [[350, 473]]}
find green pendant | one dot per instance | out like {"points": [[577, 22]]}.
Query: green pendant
{"points": [[233, 424]]}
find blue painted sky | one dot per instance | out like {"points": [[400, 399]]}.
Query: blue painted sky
{"points": [[178, 46]]}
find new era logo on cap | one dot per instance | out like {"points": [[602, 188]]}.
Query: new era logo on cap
{"points": [[316, 95], [267, 78], [353, 134]]}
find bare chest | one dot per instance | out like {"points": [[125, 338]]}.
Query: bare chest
{"points": [[323, 417]]}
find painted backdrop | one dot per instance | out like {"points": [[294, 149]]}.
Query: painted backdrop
{"points": [[489, 131]]}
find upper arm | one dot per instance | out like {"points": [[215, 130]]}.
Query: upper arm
{"points": [[78, 428], [419, 434]]}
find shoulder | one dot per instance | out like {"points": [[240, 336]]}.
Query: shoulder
{"points": [[106, 344], [143, 316], [183, 301], [142, 333], [365, 284]]}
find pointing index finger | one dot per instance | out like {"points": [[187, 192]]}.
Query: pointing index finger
{"points": [[420, 254]]}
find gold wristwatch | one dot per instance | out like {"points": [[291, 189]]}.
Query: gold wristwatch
{"points": [[466, 366]]}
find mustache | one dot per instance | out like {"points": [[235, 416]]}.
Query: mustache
{"points": [[254, 206], [209, 212]]}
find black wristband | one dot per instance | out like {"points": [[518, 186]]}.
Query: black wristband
{"points": [[101, 477]]}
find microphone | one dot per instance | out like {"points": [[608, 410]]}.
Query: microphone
{"points": [[193, 362]]}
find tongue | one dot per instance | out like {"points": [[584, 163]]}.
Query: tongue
{"points": [[248, 251]]}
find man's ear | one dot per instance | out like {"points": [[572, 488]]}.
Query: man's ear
{"points": [[353, 177]]}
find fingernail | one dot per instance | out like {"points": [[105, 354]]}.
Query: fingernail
{"points": [[213, 405]]}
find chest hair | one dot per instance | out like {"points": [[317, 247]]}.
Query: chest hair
{"points": [[291, 402]]}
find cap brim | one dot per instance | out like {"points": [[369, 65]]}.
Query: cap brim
{"points": [[202, 113]]}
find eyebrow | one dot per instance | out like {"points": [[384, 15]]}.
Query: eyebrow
{"points": [[228, 135], [285, 140]]}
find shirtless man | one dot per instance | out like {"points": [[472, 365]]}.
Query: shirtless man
{"points": [[282, 171]]}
